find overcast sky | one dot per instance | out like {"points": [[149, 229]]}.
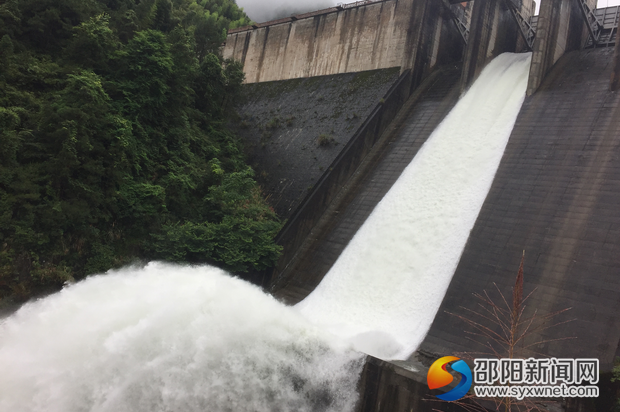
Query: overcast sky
{"points": [[601, 3], [264, 10]]}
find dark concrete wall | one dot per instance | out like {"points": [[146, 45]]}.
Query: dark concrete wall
{"points": [[560, 29], [556, 195], [402, 387], [281, 123], [355, 196], [388, 387], [432, 40]]}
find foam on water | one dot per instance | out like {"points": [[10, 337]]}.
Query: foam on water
{"points": [[170, 338], [384, 290]]}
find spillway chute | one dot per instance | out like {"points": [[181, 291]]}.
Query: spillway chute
{"points": [[388, 283]]}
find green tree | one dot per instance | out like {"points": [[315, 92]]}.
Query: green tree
{"points": [[113, 145], [93, 44], [615, 377]]}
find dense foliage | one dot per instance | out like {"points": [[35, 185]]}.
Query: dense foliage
{"points": [[112, 141], [615, 377]]}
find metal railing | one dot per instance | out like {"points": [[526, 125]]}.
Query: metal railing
{"points": [[357, 3], [460, 18], [528, 33], [607, 19]]}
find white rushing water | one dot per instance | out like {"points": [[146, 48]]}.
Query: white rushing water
{"points": [[384, 290], [173, 338], [170, 338]]}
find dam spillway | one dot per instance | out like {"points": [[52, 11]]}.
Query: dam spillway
{"points": [[569, 84], [556, 197], [385, 288]]}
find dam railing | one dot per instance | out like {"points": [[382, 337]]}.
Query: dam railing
{"points": [[608, 26], [339, 7], [357, 3]]}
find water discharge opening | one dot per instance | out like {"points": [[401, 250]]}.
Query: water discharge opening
{"points": [[168, 338]]}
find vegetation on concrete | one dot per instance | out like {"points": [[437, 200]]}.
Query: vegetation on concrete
{"points": [[113, 145], [615, 377], [273, 123], [325, 140], [502, 329]]}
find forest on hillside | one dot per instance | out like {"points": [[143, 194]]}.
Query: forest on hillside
{"points": [[113, 144]]}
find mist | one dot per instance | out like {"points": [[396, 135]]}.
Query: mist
{"points": [[265, 10]]}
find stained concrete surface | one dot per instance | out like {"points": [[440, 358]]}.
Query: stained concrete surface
{"points": [[366, 36], [282, 123], [326, 42]]}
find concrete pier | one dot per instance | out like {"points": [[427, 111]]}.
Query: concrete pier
{"points": [[561, 28]]}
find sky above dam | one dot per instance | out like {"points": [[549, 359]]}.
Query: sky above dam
{"points": [[607, 3], [261, 10], [600, 4]]}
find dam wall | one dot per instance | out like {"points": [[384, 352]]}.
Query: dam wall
{"points": [[350, 38], [402, 387], [392, 387], [614, 82], [307, 215], [294, 129], [555, 195]]}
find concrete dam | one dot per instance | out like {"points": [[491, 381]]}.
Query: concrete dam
{"points": [[555, 194]]}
